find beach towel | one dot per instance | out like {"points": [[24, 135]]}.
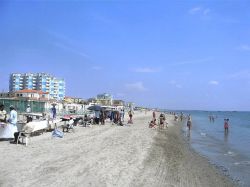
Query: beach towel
{"points": [[57, 133]]}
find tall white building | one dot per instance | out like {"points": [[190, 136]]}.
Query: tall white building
{"points": [[38, 81]]}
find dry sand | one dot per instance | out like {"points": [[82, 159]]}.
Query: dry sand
{"points": [[108, 156]]}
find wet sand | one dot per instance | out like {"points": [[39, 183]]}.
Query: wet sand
{"points": [[171, 162], [109, 155]]}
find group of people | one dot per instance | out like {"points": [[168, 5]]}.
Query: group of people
{"points": [[115, 116], [162, 119], [12, 119], [153, 123], [8, 122]]}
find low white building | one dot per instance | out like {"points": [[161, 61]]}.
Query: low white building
{"points": [[32, 94]]}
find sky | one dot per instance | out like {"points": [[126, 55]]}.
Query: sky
{"points": [[157, 53]]}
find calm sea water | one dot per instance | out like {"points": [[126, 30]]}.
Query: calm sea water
{"points": [[231, 151]]}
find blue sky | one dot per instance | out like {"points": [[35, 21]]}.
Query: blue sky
{"points": [[167, 54]]}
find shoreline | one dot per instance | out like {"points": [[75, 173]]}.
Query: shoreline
{"points": [[172, 162], [109, 155]]}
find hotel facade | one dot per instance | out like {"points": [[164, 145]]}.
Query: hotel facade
{"points": [[38, 81]]}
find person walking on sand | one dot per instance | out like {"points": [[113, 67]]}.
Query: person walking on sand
{"points": [[189, 122], [154, 116], [53, 112], [130, 114], [226, 125]]}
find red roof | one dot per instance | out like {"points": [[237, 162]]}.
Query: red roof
{"points": [[31, 91]]}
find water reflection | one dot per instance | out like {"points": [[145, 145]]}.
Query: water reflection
{"points": [[188, 134], [226, 136]]}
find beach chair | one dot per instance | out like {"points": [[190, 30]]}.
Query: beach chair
{"points": [[23, 135], [68, 125], [87, 122], [39, 127]]}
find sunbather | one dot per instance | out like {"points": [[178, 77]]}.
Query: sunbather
{"points": [[152, 124]]}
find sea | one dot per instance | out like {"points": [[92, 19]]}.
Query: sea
{"points": [[230, 152]]}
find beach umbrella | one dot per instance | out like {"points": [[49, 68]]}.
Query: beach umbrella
{"points": [[95, 108]]}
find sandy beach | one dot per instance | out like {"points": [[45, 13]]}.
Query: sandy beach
{"points": [[109, 155]]}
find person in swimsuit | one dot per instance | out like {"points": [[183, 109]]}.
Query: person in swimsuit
{"points": [[226, 125], [189, 123]]}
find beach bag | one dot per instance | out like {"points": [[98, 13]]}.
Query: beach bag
{"points": [[57, 133]]}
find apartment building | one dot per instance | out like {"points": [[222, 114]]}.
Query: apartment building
{"points": [[38, 81]]}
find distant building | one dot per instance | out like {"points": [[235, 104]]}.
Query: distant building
{"points": [[130, 105], [118, 104], [74, 100], [38, 81], [104, 99], [104, 96], [32, 94], [28, 94]]}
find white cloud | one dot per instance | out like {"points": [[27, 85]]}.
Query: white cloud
{"points": [[178, 86], [65, 43], [70, 49], [244, 74], [245, 47], [137, 86], [96, 67], [195, 10], [195, 61], [206, 11], [120, 94], [146, 70], [213, 82], [199, 11], [174, 83]]}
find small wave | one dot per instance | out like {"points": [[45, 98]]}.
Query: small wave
{"points": [[246, 162], [237, 163], [230, 153], [203, 134]]}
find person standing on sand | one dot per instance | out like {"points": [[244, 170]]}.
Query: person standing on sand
{"points": [[3, 113], [102, 117], [162, 121], [154, 116], [13, 116], [189, 122], [130, 114], [53, 112], [28, 109], [181, 116]]}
